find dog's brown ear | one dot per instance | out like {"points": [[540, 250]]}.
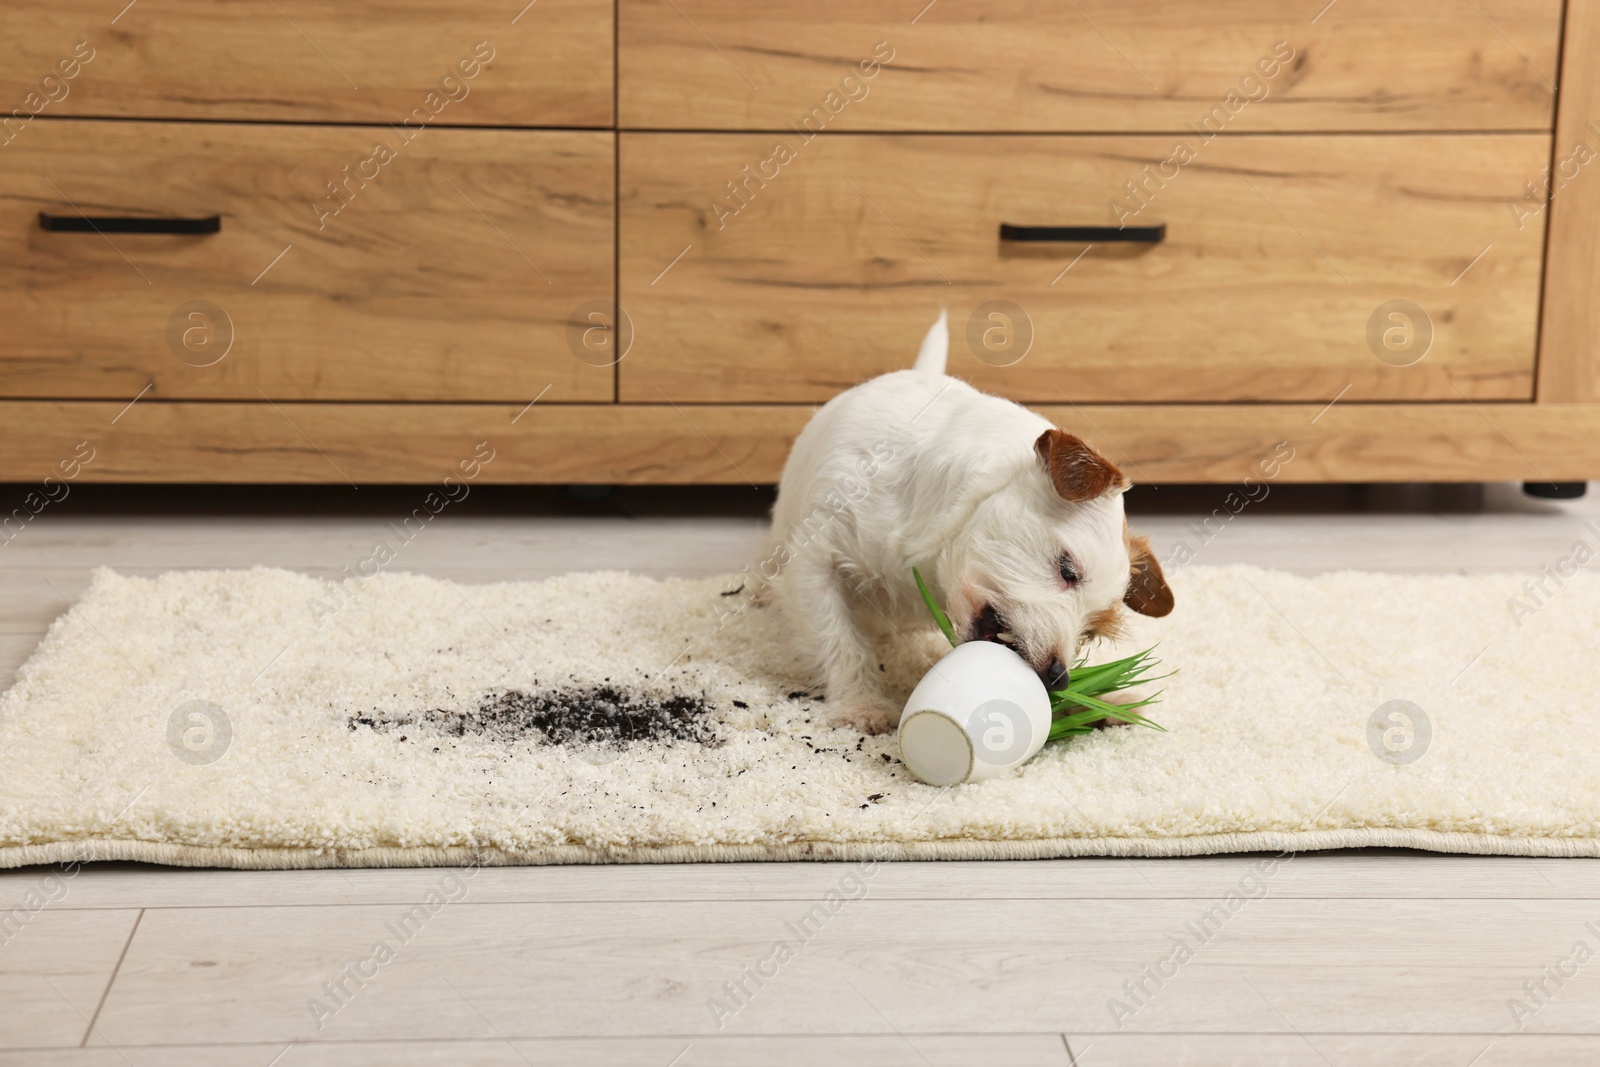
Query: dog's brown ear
{"points": [[1078, 472], [1148, 592]]}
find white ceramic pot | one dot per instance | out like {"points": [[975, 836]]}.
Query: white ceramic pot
{"points": [[979, 712]]}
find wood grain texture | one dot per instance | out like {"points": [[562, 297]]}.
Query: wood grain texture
{"points": [[888, 1050], [156, 441], [822, 1050], [1569, 347], [1321, 1050], [1366, 874], [1279, 253], [885, 1050], [303, 61], [1095, 65], [913, 967], [55, 965], [447, 272]]}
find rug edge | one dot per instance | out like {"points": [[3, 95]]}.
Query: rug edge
{"points": [[174, 855]]}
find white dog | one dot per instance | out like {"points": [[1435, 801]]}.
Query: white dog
{"points": [[1016, 526]]}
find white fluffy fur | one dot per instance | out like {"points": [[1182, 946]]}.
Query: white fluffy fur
{"points": [[915, 468]]}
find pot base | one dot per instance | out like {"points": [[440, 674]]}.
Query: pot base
{"points": [[935, 749]]}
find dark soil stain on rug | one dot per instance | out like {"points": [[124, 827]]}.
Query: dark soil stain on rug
{"points": [[597, 715]]}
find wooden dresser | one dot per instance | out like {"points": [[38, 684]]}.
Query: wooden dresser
{"points": [[308, 242]]}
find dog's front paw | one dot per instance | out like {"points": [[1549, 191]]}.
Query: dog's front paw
{"points": [[868, 716]]}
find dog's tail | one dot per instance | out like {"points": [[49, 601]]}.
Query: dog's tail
{"points": [[935, 351]]}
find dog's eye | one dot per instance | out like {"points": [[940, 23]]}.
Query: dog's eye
{"points": [[1069, 570]]}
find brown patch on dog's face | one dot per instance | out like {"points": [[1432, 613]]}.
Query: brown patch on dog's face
{"points": [[1148, 592], [1105, 624], [1078, 472]]}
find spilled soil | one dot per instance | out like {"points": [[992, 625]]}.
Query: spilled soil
{"points": [[596, 715]]}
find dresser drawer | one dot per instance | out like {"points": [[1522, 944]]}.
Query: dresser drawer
{"points": [[1284, 265], [467, 62], [349, 264], [1092, 65]]}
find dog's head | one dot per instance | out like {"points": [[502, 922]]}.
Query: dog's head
{"points": [[1047, 564]]}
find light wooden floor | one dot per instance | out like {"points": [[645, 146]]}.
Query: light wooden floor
{"points": [[1342, 958]]}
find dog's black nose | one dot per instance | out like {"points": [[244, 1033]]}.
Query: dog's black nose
{"points": [[1056, 675]]}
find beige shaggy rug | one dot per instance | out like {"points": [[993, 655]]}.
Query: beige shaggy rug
{"points": [[268, 719]]}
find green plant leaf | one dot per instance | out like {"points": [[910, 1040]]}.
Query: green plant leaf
{"points": [[938, 613], [1095, 710]]}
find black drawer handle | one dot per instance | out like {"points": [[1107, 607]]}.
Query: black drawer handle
{"points": [[125, 224], [1143, 235]]}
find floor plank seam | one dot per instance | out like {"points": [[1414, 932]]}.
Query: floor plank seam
{"points": [[1390, 898], [829, 1035], [115, 970]]}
